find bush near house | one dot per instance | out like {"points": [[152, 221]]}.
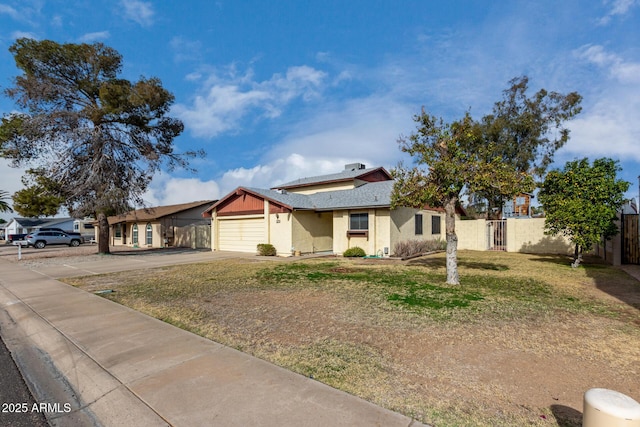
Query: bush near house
{"points": [[416, 247], [266, 249], [354, 252]]}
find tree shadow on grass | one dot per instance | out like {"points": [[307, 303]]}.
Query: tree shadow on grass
{"points": [[552, 259], [605, 277], [566, 416], [441, 262]]}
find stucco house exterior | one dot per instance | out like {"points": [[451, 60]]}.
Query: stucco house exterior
{"points": [[161, 226], [328, 213]]}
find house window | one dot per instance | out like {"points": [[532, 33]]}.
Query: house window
{"points": [[359, 221], [149, 235], [118, 231], [418, 221], [435, 224], [76, 226], [135, 234]]}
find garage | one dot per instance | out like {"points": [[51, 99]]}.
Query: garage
{"points": [[240, 234]]}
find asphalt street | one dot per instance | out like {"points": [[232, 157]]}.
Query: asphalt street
{"points": [[19, 409]]}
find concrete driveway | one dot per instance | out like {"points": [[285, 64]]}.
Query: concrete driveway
{"points": [[110, 365], [62, 261]]}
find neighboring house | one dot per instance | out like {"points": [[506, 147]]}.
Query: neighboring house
{"points": [[518, 207], [328, 213], [27, 225], [173, 225]]}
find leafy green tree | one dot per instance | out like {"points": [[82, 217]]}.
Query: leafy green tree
{"points": [[39, 197], [443, 153], [581, 202], [4, 206], [99, 136], [524, 133]]}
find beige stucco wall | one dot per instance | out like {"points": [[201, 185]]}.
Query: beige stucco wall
{"points": [[280, 232], [383, 233], [312, 231], [472, 234], [157, 240], [323, 187], [403, 225], [379, 231], [523, 235], [527, 235]]}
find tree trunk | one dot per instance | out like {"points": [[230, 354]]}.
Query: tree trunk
{"points": [[494, 209], [103, 234], [452, 242], [577, 257]]}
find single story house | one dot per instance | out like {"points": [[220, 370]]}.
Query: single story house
{"points": [[328, 213], [161, 226], [27, 225]]}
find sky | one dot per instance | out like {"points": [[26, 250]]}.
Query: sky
{"points": [[279, 90]]}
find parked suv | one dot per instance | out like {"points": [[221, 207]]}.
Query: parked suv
{"points": [[40, 239], [70, 233]]}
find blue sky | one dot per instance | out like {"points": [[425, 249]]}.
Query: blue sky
{"points": [[278, 90]]}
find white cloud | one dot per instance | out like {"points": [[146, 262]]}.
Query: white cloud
{"points": [[167, 190], [362, 129], [138, 11], [92, 37], [15, 35], [57, 21], [185, 49], [617, 67], [358, 130], [608, 125], [617, 8], [8, 10], [225, 100]]}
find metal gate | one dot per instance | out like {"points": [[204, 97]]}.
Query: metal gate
{"points": [[630, 239], [497, 235]]}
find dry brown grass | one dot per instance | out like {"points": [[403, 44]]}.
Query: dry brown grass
{"points": [[517, 344]]}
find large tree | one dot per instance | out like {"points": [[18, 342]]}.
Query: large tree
{"points": [[443, 157], [101, 137], [450, 159], [581, 202], [524, 132]]}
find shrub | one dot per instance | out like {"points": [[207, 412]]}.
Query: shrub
{"points": [[354, 252], [417, 247], [266, 249]]}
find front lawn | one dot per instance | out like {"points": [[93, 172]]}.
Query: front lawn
{"points": [[518, 343]]}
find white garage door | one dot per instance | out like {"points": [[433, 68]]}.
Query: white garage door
{"points": [[241, 235]]}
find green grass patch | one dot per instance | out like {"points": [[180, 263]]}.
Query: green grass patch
{"points": [[433, 297]]}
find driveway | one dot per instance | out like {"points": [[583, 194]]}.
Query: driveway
{"points": [[57, 262]]}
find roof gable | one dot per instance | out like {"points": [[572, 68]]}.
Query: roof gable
{"points": [[368, 175], [153, 213]]}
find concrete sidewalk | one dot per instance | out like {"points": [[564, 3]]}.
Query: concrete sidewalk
{"points": [[99, 363]]}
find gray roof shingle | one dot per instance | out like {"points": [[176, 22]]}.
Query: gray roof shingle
{"points": [[340, 176], [371, 194]]}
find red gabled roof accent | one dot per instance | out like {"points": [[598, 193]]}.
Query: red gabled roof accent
{"points": [[242, 192]]}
